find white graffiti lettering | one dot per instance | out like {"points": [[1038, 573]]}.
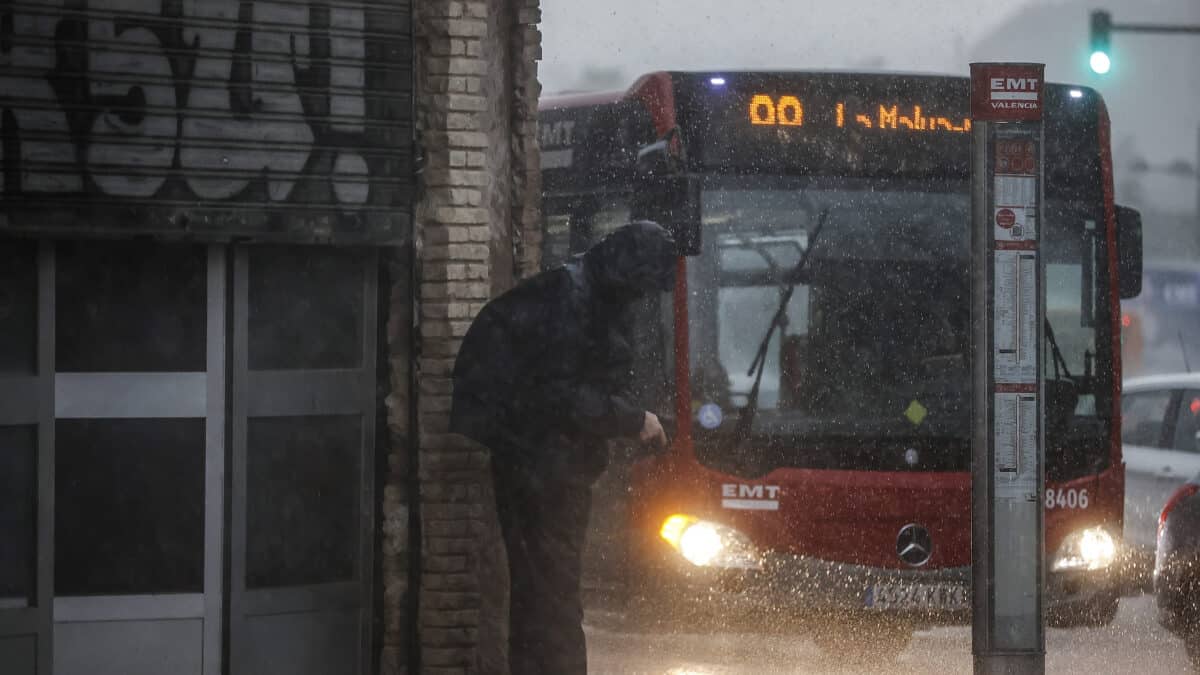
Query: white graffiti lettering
{"points": [[349, 106], [239, 101], [132, 142], [35, 140], [227, 99]]}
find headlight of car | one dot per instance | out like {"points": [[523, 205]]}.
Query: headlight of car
{"points": [[1090, 549], [707, 544]]}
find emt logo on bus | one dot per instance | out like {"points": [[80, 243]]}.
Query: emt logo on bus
{"points": [[556, 139], [750, 497]]}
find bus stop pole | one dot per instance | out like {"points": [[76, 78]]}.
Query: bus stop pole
{"points": [[1007, 324]]}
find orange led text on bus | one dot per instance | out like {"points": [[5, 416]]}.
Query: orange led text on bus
{"points": [[765, 110], [787, 112]]}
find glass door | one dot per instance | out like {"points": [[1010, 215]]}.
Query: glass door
{"points": [[26, 456], [139, 427], [302, 468]]}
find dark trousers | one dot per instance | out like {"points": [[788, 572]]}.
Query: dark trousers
{"points": [[544, 517]]}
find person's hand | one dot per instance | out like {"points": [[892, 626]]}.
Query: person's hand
{"points": [[652, 431]]}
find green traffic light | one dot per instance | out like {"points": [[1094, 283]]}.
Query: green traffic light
{"points": [[1101, 36]]}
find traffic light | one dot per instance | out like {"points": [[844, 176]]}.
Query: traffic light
{"points": [[1101, 32]]}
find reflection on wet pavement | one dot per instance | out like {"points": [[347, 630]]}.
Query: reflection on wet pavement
{"points": [[1134, 643]]}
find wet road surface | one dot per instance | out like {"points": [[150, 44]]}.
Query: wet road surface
{"points": [[1133, 643]]}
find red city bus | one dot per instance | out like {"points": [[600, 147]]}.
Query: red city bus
{"points": [[815, 351]]}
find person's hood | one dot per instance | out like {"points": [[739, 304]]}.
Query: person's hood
{"points": [[633, 261]]}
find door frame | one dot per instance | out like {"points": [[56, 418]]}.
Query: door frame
{"points": [[29, 401], [158, 396], [228, 396], [294, 393]]}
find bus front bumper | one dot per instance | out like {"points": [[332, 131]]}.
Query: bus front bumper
{"points": [[799, 587]]}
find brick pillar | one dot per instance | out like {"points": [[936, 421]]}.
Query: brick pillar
{"points": [[394, 559], [527, 175], [476, 94]]}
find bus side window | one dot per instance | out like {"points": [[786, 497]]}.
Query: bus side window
{"points": [[572, 224], [608, 213], [557, 220]]}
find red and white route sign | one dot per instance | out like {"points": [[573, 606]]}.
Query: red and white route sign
{"points": [[1007, 92], [1014, 191], [1008, 345], [1016, 157]]}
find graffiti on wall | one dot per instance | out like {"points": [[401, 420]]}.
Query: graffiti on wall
{"points": [[259, 112]]}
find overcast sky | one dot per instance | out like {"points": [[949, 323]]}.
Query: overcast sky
{"points": [[1153, 92], [930, 35]]}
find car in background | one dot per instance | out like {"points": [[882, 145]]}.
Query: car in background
{"points": [[1177, 567], [1160, 420], [1160, 328]]}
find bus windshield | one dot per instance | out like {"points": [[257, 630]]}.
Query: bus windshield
{"points": [[874, 345]]}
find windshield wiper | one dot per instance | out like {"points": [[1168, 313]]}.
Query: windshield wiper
{"points": [[1056, 356], [758, 365]]}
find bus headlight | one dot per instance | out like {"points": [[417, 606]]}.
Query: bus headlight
{"points": [[1090, 549], [707, 544]]}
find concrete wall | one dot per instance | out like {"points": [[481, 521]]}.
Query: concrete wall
{"points": [[477, 215]]}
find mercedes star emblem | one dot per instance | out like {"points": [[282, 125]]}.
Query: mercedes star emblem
{"points": [[914, 545]]}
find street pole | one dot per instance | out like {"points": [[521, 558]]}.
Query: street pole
{"points": [[1007, 322], [1102, 29], [1155, 28]]}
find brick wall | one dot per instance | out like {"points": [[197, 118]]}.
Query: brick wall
{"points": [[476, 223]]}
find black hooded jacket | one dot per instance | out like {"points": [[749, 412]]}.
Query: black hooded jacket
{"points": [[552, 358]]}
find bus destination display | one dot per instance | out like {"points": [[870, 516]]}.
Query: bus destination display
{"points": [[788, 111], [827, 124]]}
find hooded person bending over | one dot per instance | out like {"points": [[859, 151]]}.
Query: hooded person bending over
{"points": [[542, 379]]}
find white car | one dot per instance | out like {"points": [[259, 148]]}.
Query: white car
{"points": [[1160, 438]]}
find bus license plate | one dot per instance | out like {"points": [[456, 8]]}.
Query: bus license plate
{"points": [[917, 596]]}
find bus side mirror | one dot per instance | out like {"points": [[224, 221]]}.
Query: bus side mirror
{"points": [[673, 201], [1129, 252]]}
